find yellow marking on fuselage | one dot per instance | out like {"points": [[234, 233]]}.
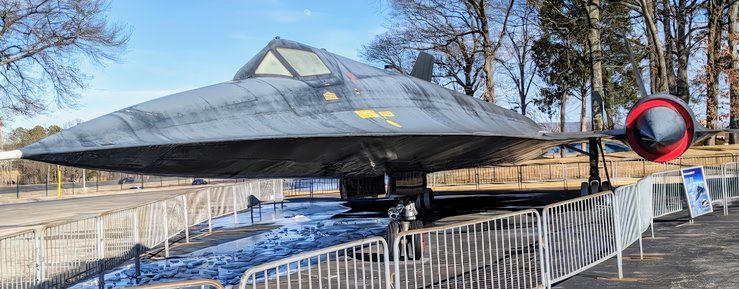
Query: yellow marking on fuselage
{"points": [[328, 95], [395, 124], [387, 113], [366, 113]]}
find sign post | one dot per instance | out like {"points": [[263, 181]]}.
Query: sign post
{"points": [[696, 191]]}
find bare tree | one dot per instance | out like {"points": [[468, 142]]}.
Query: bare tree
{"points": [[41, 43], [522, 69], [389, 49], [685, 42], [715, 10], [480, 24], [595, 52]]}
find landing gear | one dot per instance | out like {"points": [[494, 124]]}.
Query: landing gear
{"points": [[403, 218], [595, 183]]}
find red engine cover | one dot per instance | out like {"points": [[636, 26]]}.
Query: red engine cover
{"points": [[675, 150]]}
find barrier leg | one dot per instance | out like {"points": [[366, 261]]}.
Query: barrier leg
{"points": [[137, 264], [726, 192], [187, 225], [166, 230], [210, 212], [617, 229]]}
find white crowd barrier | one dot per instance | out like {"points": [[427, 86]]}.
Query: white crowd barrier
{"points": [[519, 249], [579, 234], [503, 251], [515, 250], [620, 170], [61, 254], [359, 264]]}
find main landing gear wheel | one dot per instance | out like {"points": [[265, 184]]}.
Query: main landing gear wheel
{"points": [[428, 199], [403, 218], [584, 189], [414, 243], [393, 229]]}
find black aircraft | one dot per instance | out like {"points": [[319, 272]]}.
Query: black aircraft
{"points": [[297, 111]]}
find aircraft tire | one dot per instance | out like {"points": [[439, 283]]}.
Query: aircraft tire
{"points": [[393, 229], [414, 244], [428, 199], [594, 187], [584, 189], [606, 186]]}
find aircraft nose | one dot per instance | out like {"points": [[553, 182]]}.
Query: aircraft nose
{"points": [[189, 116], [660, 128]]}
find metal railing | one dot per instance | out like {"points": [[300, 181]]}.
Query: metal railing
{"points": [[309, 187], [503, 251], [517, 250], [359, 264], [579, 234], [64, 253], [620, 170]]}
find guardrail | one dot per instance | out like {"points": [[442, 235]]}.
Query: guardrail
{"points": [[625, 169], [62, 254], [503, 251], [327, 268], [569, 238], [579, 234], [517, 250]]}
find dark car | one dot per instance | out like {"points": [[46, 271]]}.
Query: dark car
{"points": [[197, 182], [126, 180]]}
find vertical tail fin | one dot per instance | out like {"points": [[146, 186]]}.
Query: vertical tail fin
{"points": [[424, 66]]}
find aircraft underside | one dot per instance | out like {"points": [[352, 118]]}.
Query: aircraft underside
{"points": [[329, 157]]}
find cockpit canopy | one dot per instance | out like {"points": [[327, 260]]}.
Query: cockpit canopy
{"points": [[286, 58]]}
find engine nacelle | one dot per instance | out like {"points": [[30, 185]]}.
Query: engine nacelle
{"points": [[660, 127]]}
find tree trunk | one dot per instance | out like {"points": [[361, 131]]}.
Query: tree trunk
{"points": [[562, 117], [583, 110], [682, 89], [734, 71], [656, 46], [487, 49], [596, 60], [712, 65], [667, 16], [2, 140]]}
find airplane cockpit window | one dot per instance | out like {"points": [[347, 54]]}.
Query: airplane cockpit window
{"points": [[271, 65], [305, 63]]}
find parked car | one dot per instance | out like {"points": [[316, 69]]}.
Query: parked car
{"points": [[126, 180], [199, 181], [136, 188]]}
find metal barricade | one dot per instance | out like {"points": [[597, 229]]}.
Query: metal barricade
{"points": [[579, 234], [667, 190], [18, 259], [730, 175], [635, 211], [359, 264], [62, 254], [503, 251]]}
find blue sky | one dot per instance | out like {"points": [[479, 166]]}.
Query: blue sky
{"points": [[180, 45]]}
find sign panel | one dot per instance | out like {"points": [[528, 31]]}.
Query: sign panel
{"points": [[696, 191]]}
